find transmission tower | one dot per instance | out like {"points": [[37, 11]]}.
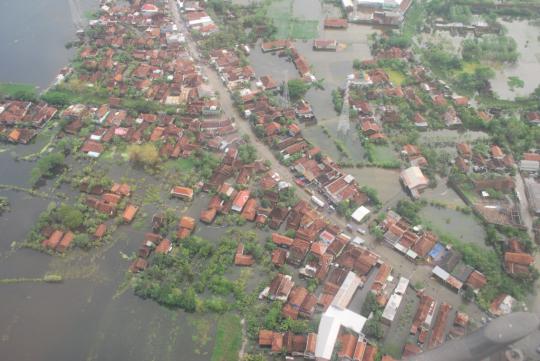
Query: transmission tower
{"points": [[344, 123], [286, 100]]}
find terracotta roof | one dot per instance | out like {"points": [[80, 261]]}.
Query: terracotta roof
{"points": [[66, 241], [208, 215], [370, 353], [129, 213], [277, 342], [187, 222], [519, 258], [359, 350], [348, 344], [476, 280], [163, 247], [411, 350], [281, 240], [437, 335], [100, 230], [265, 337], [279, 255]]}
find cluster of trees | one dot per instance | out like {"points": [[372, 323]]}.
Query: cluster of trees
{"points": [[477, 81], [389, 40], [145, 155], [47, 167], [68, 216], [196, 267], [514, 134], [373, 327], [205, 163], [500, 48], [450, 11], [442, 60], [297, 89], [410, 210], [337, 100], [247, 153]]}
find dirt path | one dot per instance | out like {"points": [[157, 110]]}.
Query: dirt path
{"points": [[242, 351]]}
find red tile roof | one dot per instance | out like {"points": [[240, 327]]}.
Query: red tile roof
{"points": [[129, 213]]}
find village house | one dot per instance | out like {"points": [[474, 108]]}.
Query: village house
{"points": [[129, 213], [186, 226], [183, 193]]}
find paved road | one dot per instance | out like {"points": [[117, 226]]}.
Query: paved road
{"points": [[524, 205]]}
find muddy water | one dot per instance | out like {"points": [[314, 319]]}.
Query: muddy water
{"points": [[461, 226], [527, 68], [89, 317], [307, 9], [384, 181], [442, 194], [92, 315], [442, 137], [38, 29]]}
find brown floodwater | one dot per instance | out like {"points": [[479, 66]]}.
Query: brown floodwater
{"points": [[527, 68]]}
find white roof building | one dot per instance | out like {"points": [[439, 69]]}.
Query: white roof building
{"points": [[338, 315], [331, 322], [360, 213], [414, 180], [391, 308]]}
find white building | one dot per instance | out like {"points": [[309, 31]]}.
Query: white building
{"points": [[338, 315]]}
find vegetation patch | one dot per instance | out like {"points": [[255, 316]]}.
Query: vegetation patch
{"points": [[228, 338], [19, 91], [396, 77], [287, 26]]}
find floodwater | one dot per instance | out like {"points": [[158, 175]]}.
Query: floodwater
{"points": [[449, 137], [332, 67], [384, 181], [463, 227], [93, 314], [33, 34], [527, 68], [443, 194]]}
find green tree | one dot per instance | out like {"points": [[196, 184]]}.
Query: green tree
{"points": [[46, 167], [145, 154], [57, 98], [69, 216], [247, 153], [373, 328], [297, 89]]}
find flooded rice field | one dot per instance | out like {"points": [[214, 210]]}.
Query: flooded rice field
{"points": [[527, 68]]}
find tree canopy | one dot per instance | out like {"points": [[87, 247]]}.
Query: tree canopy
{"points": [[297, 89]]}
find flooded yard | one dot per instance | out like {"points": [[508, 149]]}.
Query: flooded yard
{"points": [[443, 194], [450, 136], [384, 181], [463, 227], [527, 67]]}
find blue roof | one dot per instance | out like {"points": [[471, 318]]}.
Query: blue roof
{"points": [[436, 251]]}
